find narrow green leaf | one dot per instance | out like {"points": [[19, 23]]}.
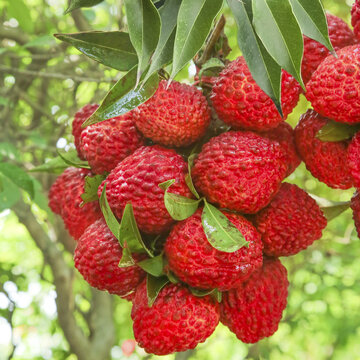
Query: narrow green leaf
{"points": [[112, 48], [144, 30], [154, 286], [45, 40], [312, 19], [55, 165], [71, 158], [264, 69], [109, 217], [194, 23], [188, 178], [91, 186], [179, 207], [211, 68], [153, 266], [334, 131], [165, 47], [334, 210], [217, 295], [220, 232], [201, 293], [126, 258], [76, 4], [124, 97], [279, 31], [18, 176]]}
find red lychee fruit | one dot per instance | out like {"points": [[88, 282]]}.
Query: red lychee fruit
{"points": [[334, 88], [194, 261], [355, 18], [253, 310], [355, 206], [136, 180], [324, 159], [82, 115], [107, 143], [284, 135], [175, 116], [240, 171], [241, 103], [353, 159], [314, 53], [290, 223], [65, 200], [177, 321], [97, 257]]}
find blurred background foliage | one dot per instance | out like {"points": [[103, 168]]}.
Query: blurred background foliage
{"points": [[42, 84]]}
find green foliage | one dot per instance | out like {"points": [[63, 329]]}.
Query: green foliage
{"points": [[76, 4]]}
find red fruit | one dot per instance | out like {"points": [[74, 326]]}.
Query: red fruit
{"points": [[136, 180], [196, 262], [241, 103], [253, 310], [97, 257], [324, 159], [354, 159], [107, 143], [240, 171], [334, 87], [314, 53], [175, 116], [82, 115], [355, 18], [355, 206], [284, 135], [65, 200], [177, 321], [291, 223]]}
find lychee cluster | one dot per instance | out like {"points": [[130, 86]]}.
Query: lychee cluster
{"points": [[210, 208]]}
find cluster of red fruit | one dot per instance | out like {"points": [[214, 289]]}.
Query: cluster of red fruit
{"points": [[240, 171]]}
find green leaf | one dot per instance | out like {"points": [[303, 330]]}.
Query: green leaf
{"points": [[154, 286], [334, 131], [55, 165], [153, 266], [194, 23], [112, 48], [18, 176], [45, 40], [335, 209], [144, 30], [9, 150], [124, 97], [91, 186], [126, 258], [21, 12], [264, 69], [109, 217], [279, 31], [165, 47], [219, 230], [201, 293], [179, 207], [211, 68], [9, 195], [188, 178], [312, 19], [76, 4], [71, 158]]}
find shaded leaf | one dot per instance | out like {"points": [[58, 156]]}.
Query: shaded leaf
{"points": [[188, 178], [153, 266], [154, 286], [211, 68], [194, 23], [71, 158], [219, 230], [112, 48], [76, 4], [124, 97], [334, 210], [334, 131], [91, 186], [126, 258], [201, 293]]}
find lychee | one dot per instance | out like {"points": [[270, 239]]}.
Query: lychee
{"points": [[355, 18], [353, 159]]}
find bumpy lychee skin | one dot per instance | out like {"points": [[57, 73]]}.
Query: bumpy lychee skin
{"points": [[241, 103], [97, 256], [136, 180], [355, 206], [324, 159], [177, 321], [290, 223], [175, 116], [334, 88], [314, 52], [355, 18], [107, 143], [83, 114], [240, 171], [194, 261], [253, 310], [354, 159], [284, 135], [65, 200]]}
